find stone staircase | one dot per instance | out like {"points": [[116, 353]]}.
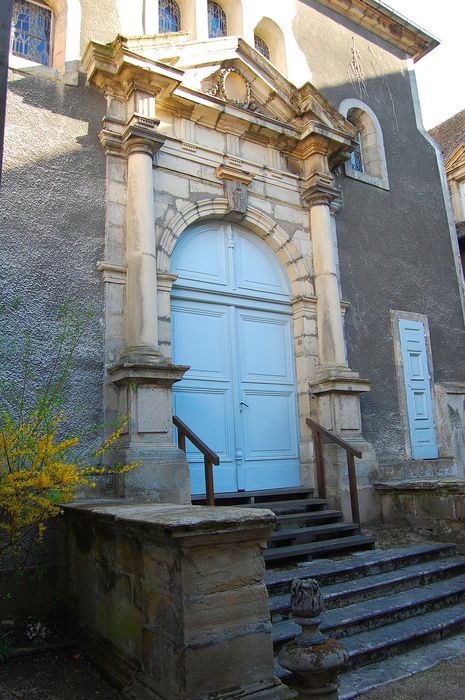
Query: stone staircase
{"points": [[383, 604], [404, 607], [307, 527]]}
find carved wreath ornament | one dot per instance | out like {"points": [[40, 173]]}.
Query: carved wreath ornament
{"points": [[231, 85]]}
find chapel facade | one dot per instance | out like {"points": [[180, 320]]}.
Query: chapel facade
{"points": [[245, 195]]}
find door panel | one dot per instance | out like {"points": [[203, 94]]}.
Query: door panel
{"points": [[208, 412], [259, 333], [269, 413], [204, 399], [201, 339], [239, 395], [418, 390]]}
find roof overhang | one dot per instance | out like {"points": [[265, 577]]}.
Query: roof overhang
{"points": [[386, 23]]}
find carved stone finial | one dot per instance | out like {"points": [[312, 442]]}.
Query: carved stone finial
{"points": [[306, 598], [307, 604], [313, 657]]}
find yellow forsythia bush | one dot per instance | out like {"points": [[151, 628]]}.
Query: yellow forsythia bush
{"points": [[40, 468]]}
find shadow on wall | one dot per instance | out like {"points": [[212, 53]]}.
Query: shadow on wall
{"points": [[52, 223]]}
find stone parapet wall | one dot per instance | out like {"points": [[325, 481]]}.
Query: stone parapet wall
{"points": [[172, 598], [433, 505]]}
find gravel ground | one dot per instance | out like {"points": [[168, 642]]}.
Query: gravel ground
{"points": [[67, 675], [63, 675], [445, 681]]}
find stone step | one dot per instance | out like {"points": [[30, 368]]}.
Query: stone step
{"points": [[308, 534], [319, 548], [235, 497], [375, 585], [364, 564], [288, 506], [383, 642], [360, 680], [287, 520], [379, 643], [380, 612]]}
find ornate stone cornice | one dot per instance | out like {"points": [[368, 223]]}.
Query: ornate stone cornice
{"points": [[117, 70], [290, 116], [385, 23]]}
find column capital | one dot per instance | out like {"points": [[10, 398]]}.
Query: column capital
{"points": [[138, 135], [141, 135], [320, 190]]}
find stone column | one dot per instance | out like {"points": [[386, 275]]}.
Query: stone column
{"points": [[335, 389], [141, 141], [201, 20], [143, 376], [329, 318]]}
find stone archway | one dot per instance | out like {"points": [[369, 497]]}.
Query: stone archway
{"points": [[302, 296]]}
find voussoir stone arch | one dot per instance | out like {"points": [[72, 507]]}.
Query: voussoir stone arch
{"points": [[262, 225]]}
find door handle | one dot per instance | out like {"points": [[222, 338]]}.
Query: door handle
{"points": [[244, 404]]}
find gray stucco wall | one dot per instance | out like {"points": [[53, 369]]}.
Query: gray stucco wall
{"points": [[52, 226], [394, 246]]}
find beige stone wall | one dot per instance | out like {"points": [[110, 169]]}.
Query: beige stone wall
{"points": [[434, 506], [172, 598]]}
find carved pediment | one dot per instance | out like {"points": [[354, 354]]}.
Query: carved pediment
{"points": [[224, 83]]}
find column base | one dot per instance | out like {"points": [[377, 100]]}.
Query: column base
{"points": [[144, 354], [335, 401], [145, 397]]}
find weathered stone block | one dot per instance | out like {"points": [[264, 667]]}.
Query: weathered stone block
{"points": [[210, 570], [228, 655], [178, 599]]}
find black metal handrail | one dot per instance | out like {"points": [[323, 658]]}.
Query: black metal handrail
{"points": [[318, 430], [209, 457]]}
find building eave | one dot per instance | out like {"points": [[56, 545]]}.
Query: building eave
{"points": [[386, 23]]}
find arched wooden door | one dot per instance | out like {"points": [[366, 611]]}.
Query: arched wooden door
{"points": [[231, 322]]}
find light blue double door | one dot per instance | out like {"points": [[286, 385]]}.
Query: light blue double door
{"points": [[231, 323]]}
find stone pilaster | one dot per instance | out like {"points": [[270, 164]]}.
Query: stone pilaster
{"points": [[335, 390]]}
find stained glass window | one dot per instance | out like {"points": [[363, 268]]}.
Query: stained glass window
{"points": [[31, 31], [262, 46], [356, 157], [217, 25], [169, 16]]}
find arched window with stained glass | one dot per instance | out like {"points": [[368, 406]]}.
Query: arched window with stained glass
{"points": [[217, 23], [368, 159], [31, 31], [169, 16], [261, 46]]}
